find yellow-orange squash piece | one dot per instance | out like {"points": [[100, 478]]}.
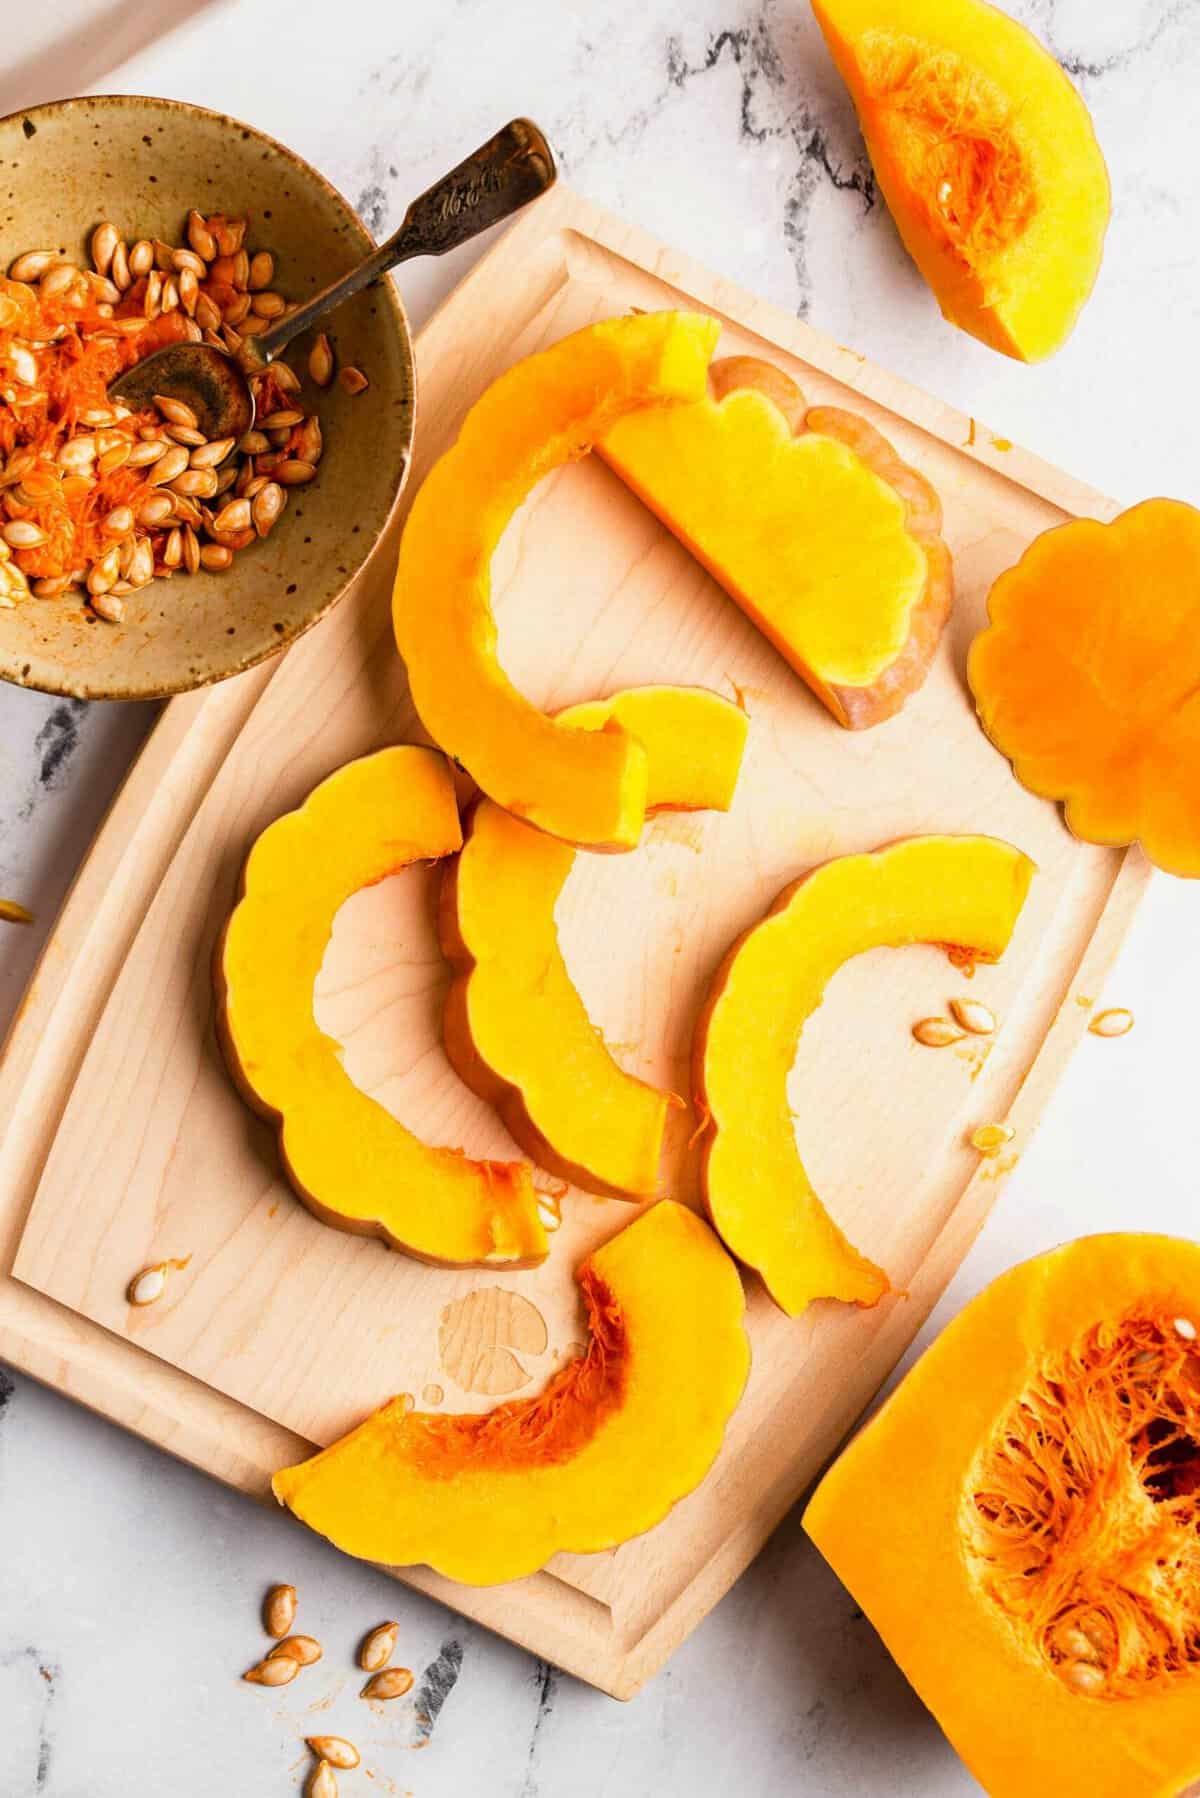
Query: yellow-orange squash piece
{"points": [[986, 157], [961, 891], [515, 1025], [1088, 679], [615, 1439], [812, 524], [350, 1161], [587, 787], [1021, 1523]]}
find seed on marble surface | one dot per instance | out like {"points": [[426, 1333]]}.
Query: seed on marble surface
{"points": [[270, 1672], [279, 1610], [323, 1782], [393, 1682], [303, 1649], [336, 1750], [378, 1647]]}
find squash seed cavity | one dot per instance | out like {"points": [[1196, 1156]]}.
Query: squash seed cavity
{"points": [[1081, 1517]]}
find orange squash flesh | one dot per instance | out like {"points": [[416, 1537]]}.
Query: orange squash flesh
{"points": [[986, 157], [1021, 1523], [965, 891], [515, 1027], [600, 1455], [1088, 678], [350, 1161], [586, 787], [812, 524]]}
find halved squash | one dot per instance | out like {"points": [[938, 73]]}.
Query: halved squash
{"points": [[350, 1161], [515, 1026], [587, 787], [1021, 1523], [812, 524], [1088, 679], [960, 891], [602, 1454], [987, 159]]}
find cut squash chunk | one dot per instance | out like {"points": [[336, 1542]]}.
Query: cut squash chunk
{"points": [[966, 892], [1020, 1523], [812, 524], [586, 787], [614, 1440], [986, 157], [350, 1161], [1089, 678], [515, 1026]]}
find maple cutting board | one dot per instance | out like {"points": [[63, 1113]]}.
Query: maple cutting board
{"points": [[125, 1142]]}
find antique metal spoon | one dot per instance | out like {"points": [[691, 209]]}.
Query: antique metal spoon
{"points": [[503, 175]]}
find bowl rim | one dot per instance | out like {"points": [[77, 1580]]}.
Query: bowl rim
{"points": [[81, 687]]}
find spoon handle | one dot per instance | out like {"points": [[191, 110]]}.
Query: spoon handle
{"points": [[499, 178]]}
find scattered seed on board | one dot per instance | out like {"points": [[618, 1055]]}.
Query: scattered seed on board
{"points": [[336, 1750], [989, 1139], [1116, 1021], [353, 379], [279, 1611], [304, 1649], [323, 1781], [378, 1647], [393, 1682], [270, 1672], [974, 1016], [148, 1286], [937, 1033]]}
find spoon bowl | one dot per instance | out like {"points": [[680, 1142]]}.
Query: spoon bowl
{"points": [[204, 378]]}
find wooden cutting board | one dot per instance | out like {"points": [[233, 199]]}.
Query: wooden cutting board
{"points": [[125, 1142]]}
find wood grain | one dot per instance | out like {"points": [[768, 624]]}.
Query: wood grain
{"points": [[125, 1142]]}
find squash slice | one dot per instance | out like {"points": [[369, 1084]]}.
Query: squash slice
{"points": [[960, 891], [1020, 1523], [1088, 679], [614, 1440], [587, 787], [515, 1026], [350, 1161], [808, 518], [986, 157]]}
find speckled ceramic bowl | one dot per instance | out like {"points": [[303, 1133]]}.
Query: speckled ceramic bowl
{"points": [[142, 163]]}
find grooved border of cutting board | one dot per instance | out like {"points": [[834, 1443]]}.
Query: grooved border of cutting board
{"points": [[557, 240]]}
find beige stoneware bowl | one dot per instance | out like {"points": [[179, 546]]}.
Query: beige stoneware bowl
{"points": [[142, 163]]}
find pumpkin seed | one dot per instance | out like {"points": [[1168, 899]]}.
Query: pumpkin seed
{"points": [[200, 237], [974, 1016], [1183, 1326], [1085, 1678], [177, 412], [989, 1139], [378, 1646], [270, 1672], [937, 1033], [148, 1286], [353, 380], [1116, 1021], [393, 1682], [304, 1649], [336, 1750], [323, 1783], [320, 361]]}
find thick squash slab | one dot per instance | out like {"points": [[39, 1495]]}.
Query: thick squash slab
{"points": [[515, 1025], [812, 524], [587, 787], [965, 892], [986, 157], [1021, 1524], [1088, 678], [602, 1454], [348, 1158]]}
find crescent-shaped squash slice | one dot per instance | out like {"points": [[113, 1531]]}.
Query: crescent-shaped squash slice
{"points": [[961, 891], [587, 787], [614, 1440], [515, 1026], [986, 157], [1089, 678], [350, 1161], [812, 524], [1021, 1523]]}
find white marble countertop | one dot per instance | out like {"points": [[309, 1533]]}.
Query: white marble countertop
{"points": [[128, 1584]]}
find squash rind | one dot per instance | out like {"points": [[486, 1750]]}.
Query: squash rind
{"points": [[586, 788], [676, 1302], [354, 1165], [965, 891], [514, 1025]]}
